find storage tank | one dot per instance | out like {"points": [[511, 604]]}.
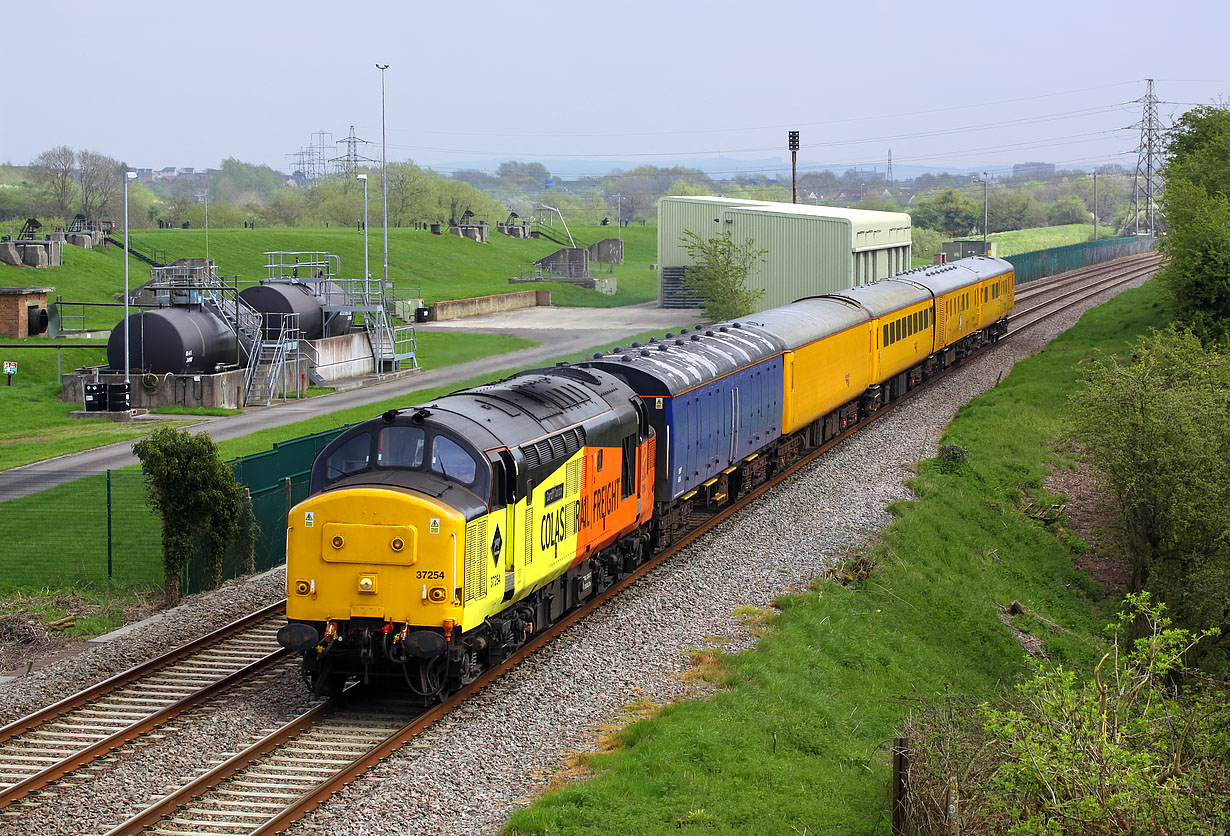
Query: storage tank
{"points": [[279, 298], [180, 340]]}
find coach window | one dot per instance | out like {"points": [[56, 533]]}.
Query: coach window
{"points": [[400, 447], [351, 457], [449, 459]]}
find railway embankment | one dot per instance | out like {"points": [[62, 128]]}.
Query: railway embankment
{"points": [[797, 737]]}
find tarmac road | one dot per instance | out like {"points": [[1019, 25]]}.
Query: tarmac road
{"points": [[557, 330]]}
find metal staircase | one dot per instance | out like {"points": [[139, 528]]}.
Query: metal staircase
{"points": [[267, 366], [200, 284], [370, 302]]}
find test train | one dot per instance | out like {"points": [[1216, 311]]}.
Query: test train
{"points": [[438, 539]]}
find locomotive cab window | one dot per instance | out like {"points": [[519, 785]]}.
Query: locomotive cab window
{"points": [[449, 459], [400, 447], [351, 457]]}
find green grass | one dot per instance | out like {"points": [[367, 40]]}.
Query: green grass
{"points": [[436, 349], [35, 424], [841, 665], [1042, 238], [446, 266]]}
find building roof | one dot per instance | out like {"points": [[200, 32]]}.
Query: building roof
{"points": [[860, 219]]}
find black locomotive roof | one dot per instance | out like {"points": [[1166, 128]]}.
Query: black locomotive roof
{"points": [[676, 364]]}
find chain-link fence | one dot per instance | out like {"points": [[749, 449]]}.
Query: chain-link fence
{"points": [[98, 528]]}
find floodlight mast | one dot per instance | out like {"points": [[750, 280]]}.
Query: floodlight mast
{"points": [[367, 275], [128, 175]]}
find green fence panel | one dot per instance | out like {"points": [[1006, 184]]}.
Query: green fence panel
{"points": [[1039, 264]]}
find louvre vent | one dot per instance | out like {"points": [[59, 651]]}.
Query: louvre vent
{"points": [[476, 559], [557, 446], [544, 450], [529, 534], [530, 452], [572, 477]]}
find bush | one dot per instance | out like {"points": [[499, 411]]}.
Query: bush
{"points": [[1122, 752]]}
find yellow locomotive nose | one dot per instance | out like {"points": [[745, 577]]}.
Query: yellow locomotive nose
{"points": [[366, 552]]}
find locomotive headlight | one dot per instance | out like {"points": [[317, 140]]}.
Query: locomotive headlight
{"points": [[398, 544], [437, 594], [367, 583], [338, 542], [302, 587]]}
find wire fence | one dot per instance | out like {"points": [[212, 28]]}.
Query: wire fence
{"points": [[98, 529]]}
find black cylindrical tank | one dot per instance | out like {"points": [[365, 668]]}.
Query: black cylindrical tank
{"points": [[279, 298], [180, 340]]}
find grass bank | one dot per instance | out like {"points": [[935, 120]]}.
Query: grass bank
{"points": [[1043, 237], [442, 266], [841, 665]]}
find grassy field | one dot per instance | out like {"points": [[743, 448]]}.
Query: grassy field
{"points": [[1043, 237], [445, 266], [841, 664]]}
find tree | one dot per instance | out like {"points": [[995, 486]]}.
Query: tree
{"points": [[1067, 210], [1157, 429], [719, 272], [950, 211], [54, 171], [198, 498], [1196, 204], [100, 179]]}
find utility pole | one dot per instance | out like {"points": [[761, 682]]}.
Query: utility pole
{"points": [[792, 141], [985, 213], [1095, 205], [619, 215]]}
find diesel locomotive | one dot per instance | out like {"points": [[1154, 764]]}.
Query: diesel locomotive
{"points": [[438, 539]]}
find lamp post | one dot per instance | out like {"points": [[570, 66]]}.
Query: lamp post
{"points": [[384, 179], [366, 272], [128, 175], [1095, 205], [984, 211], [204, 196]]}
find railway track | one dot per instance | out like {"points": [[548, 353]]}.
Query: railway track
{"points": [[280, 779], [44, 747]]}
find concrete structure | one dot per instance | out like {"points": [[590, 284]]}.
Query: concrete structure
{"points": [[9, 254], [569, 262], [811, 249], [149, 391], [520, 230], [608, 251], [458, 308], [475, 232], [16, 304], [81, 239]]}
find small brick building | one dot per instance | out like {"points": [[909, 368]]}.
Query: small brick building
{"points": [[16, 304]]}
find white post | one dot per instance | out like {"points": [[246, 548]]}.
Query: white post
{"points": [[384, 174], [128, 175], [366, 271]]}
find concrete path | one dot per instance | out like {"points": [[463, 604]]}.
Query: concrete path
{"points": [[557, 330]]}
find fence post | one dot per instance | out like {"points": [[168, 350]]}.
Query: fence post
{"points": [[901, 771], [286, 483], [108, 525]]}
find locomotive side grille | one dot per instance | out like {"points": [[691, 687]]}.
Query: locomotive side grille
{"points": [[572, 477], [529, 535], [557, 446], [544, 450], [530, 451], [476, 559], [574, 440]]}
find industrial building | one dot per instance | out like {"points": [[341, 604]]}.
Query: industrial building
{"points": [[811, 249]]}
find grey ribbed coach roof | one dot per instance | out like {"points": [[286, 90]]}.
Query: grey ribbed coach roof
{"points": [[808, 319], [885, 296], [690, 359], [945, 278]]}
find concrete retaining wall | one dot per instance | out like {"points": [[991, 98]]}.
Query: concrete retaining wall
{"points": [[347, 355], [457, 308]]}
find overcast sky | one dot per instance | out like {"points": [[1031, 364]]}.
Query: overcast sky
{"points": [[973, 85]]}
